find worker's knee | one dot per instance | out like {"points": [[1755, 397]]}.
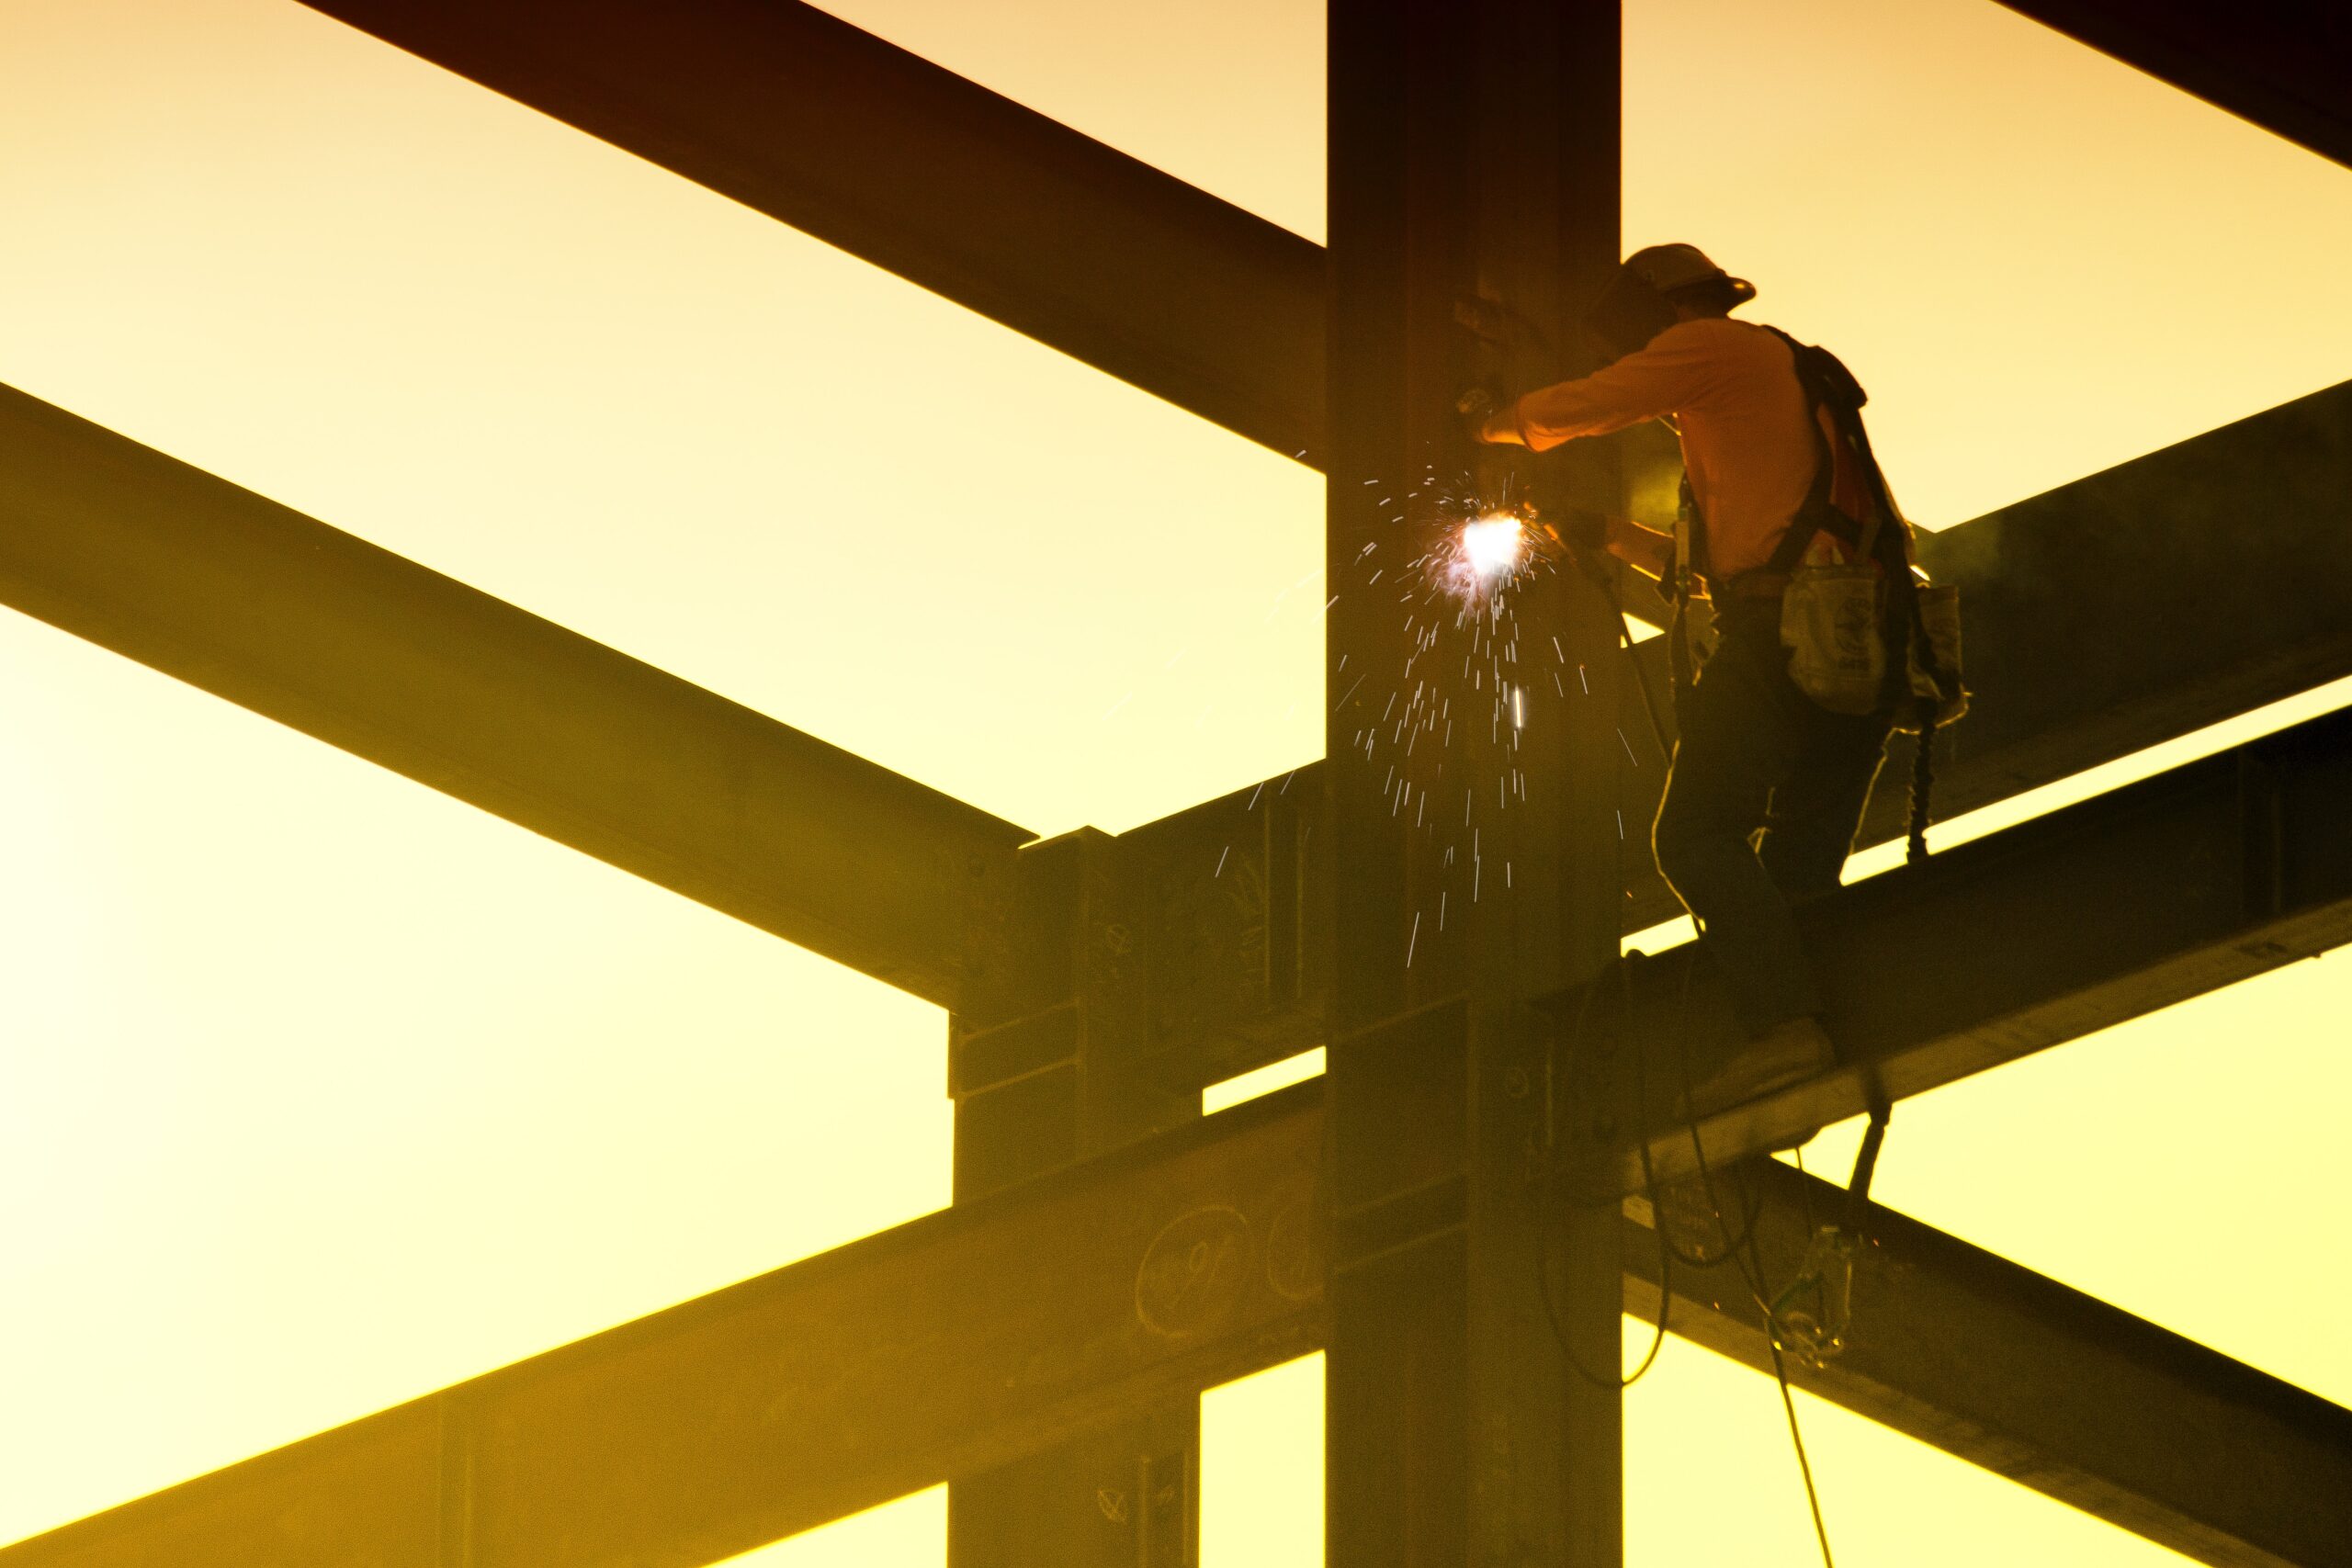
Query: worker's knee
{"points": [[1680, 840], [1695, 836]]}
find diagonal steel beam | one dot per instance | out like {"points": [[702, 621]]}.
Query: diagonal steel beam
{"points": [[1038, 227], [804, 118], [968, 1338], [972, 196], [2280, 63], [322, 631], [2044, 1385], [966, 193], [971, 1336]]}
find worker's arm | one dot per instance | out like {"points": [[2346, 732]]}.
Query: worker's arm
{"points": [[1671, 374]]}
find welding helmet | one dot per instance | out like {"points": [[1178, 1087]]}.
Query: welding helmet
{"points": [[1635, 306]]}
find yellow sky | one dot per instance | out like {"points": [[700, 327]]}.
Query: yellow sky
{"points": [[324, 1091]]}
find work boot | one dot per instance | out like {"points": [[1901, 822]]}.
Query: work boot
{"points": [[1788, 1053]]}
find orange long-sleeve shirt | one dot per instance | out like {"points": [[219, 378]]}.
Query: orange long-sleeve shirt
{"points": [[1733, 390]]}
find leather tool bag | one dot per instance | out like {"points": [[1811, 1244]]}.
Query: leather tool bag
{"points": [[1832, 622]]}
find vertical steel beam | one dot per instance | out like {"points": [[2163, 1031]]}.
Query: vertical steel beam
{"points": [[1473, 192], [1052, 1067]]}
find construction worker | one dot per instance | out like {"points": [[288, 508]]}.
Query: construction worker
{"points": [[1766, 788]]}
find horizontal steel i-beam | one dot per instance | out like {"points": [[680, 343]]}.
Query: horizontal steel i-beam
{"points": [[977, 1335], [800, 115], [253, 602], [2117, 907]]}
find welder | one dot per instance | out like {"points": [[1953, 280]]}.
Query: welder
{"points": [[1767, 786]]}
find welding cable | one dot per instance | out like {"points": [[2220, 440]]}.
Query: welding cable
{"points": [[1649, 1191], [1732, 1244], [1641, 682], [1796, 1437], [1751, 1268], [1750, 1264]]}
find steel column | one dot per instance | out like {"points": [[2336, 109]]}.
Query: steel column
{"points": [[1473, 200], [1046, 1069]]}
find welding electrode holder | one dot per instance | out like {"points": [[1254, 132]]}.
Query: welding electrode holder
{"points": [[1474, 407], [1585, 529]]}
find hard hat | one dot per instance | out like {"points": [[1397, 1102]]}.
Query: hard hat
{"points": [[1669, 268]]}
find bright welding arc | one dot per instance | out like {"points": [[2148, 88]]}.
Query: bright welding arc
{"points": [[1490, 550]]}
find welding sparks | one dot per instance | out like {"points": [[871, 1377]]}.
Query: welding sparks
{"points": [[1492, 547], [1457, 569]]}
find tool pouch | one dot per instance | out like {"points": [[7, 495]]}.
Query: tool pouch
{"points": [[1939, 627], [1831, 622]]}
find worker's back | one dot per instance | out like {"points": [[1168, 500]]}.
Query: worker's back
{"points": [[1746, 443]]}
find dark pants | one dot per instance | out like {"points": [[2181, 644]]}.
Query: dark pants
{"points": [[1761, 804]]}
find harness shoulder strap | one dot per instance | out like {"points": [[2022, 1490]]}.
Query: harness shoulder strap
{"points": [[1887, 538], [1826, 384]]}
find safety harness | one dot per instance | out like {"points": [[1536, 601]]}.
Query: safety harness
{"points": [[1864, 633]]}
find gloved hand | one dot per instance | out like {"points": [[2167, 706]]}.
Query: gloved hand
{"points": [[1475, 407], [1585, 529]]}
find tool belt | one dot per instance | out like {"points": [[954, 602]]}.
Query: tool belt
{"points": [[1755, 586]]}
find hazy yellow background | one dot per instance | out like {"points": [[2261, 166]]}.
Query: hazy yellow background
{"points": [[319, 1091]]}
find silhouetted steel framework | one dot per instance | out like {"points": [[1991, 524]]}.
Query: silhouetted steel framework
{"points": [[1040, 1344]]}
